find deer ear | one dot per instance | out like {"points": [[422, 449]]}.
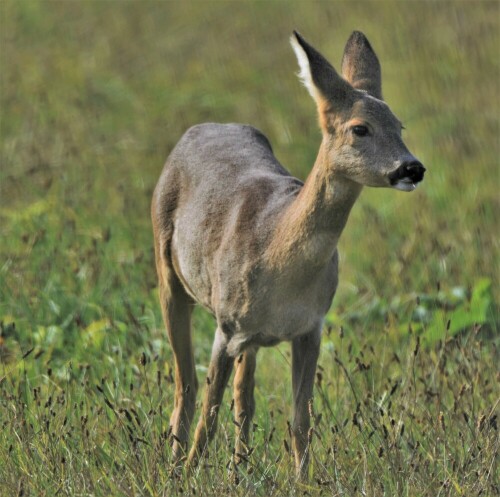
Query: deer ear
{"points": [[318, 75], [360, 65]]}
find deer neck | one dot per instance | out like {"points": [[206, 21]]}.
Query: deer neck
{"points": [[312, 224]]}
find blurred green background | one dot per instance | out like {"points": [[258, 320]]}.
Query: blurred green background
{"points": [[94, 95]]}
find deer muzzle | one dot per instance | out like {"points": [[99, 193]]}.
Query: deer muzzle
{"points": [[407, 176]]}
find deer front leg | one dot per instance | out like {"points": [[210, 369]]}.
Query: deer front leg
{"points": [[244, 403], [219, 371], [305, 352]]}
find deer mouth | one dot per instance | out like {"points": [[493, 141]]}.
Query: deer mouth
{"points": [[405, 185], [407, 176]]}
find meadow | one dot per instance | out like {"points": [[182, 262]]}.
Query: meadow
{"points": [[93, 96]]}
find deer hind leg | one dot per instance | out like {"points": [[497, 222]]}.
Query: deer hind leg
{"points": [[305, 352], [244, 403], [219, 370], [177, 307]]}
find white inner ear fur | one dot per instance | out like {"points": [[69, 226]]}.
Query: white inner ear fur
{"points": [[305, 70]]}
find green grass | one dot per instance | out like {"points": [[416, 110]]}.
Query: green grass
{"points": [[93, 97]]}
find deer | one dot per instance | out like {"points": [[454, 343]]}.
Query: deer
{"points": [[236, 233]]}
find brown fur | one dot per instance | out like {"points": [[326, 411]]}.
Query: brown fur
{"points": [[236, 233]]}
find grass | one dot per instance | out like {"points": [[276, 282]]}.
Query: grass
{"points": [[93, 97]]}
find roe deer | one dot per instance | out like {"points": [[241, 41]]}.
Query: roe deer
{"points": [[236, 233]]}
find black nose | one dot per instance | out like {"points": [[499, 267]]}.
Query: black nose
{"points": [[412, 170]]}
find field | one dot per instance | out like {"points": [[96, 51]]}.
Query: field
{"points": [[94, 95]]}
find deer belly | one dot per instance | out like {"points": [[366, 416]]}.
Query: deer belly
{"points": [[268, 326]]}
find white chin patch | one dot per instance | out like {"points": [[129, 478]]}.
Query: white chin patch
{"points": [[405, 185]]}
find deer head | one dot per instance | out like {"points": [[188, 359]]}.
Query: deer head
{"points": [[361, 136]]}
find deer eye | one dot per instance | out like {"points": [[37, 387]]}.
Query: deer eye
{"points": [[360, 130]]}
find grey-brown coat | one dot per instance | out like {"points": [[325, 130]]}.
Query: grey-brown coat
{"points": [[236, 233]]}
